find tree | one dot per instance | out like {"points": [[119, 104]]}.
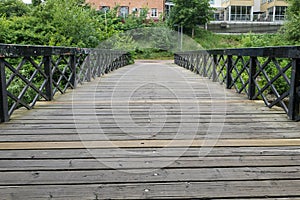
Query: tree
{"points": [[292, 27], [190, 13], [36, 2], [10, 8], [75, 24]]}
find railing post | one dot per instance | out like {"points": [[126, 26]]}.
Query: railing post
{"points": [[89, 71], [198, 63], [73, 69], [204, 65], [3, 94], [192, 62], [99, 64], [294, 99], [214, 73], [188, 63], [180, 61], [251, 86], [48, 72], [228, 72]]}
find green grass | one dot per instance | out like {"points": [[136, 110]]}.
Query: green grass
{"points": [[153, 54], [209, 40]]}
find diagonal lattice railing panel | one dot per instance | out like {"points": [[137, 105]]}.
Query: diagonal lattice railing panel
{"points": [[272, 81], [271, 74], [83, 69], [25, 82], [221, 64], [240, 74], [62, 73], [33, 73]]}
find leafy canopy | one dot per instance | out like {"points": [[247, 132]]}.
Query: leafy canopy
{"points": [[190, 13], [62, 23], [10, 8], [292, 27]]}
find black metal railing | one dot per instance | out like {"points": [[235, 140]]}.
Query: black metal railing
{"points": [[271, 74], [32, 73]]}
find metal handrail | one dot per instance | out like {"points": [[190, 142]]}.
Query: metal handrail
{"points": [[39, 72], [270, 73]]}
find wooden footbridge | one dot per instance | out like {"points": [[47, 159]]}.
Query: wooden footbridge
{"points": [[152, 129]]}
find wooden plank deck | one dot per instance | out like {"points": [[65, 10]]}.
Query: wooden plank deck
{"points": [[150, 130]]}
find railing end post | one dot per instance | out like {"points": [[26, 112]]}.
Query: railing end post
{"points": [[4, 116], [294, 99], [48, 72]]}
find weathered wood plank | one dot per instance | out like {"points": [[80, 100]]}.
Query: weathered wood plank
{"points": [[147, 163], [149, 152], [176, 190], [149, 175], [112, 134], [151, 143]]}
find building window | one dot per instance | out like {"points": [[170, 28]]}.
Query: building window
{"points": [[124, 11], [280, 13], [134, 10], [212, 2], [269, 16], [240, 13], [154, 12]]}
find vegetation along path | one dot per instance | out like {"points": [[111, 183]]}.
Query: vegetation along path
{"points": [[150, 130]]}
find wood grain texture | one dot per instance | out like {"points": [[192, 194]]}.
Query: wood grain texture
{"points": [[150, 130], [149, 144]]}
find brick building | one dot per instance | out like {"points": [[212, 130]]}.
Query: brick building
{"points": [[155, 7]]}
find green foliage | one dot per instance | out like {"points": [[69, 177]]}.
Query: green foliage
{"points": [[11, 8], [292, 27], [209, 40], [36, 2], [19, 30], [73, 23], [262, 40], [59, 23], [271, 70], [4, 26], [152, 53], [190, 13]]}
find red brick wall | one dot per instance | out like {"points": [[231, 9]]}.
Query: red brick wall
{"points": [[159, 4]]}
